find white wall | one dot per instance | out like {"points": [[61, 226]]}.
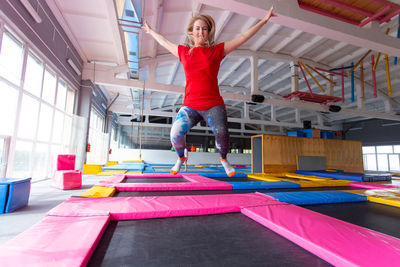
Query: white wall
{"points": [[152, 156]]}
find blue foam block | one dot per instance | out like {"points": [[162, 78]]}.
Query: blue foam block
{"points": [[3, 197], [335, 175], [18, 193], [317, 197], [263, 185]]}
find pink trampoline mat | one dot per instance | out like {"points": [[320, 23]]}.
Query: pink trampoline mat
{"points": [[194, 182]]}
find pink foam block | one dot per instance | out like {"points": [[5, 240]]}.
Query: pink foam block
{"points": [[113, 179], [66, 179], [338, 242], [371, 185], [64, 162], [55, 241], [130, 208]]}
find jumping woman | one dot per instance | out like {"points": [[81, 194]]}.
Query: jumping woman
{"points": [[201, 59]]}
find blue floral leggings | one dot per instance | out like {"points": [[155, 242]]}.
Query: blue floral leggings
{"points": [[187, 118]]}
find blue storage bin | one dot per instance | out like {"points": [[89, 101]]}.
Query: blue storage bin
{"points": [[327, 135]]}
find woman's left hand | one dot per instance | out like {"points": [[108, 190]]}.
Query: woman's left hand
{"points": [[269, 14]]}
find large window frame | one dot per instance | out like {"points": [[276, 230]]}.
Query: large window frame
{"points": [[381, 158], [36, 154]]}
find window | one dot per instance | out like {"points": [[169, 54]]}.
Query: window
{"points": [[22, 159], [383, 164], [49, 86], [45, 122], [370, 162], [28, 117], [33, 75], [36, 110], [58, 127], [8, 108], [40, 161], [368, 149], [70, 101], [61, 95], [11, 58], [381, 158], [384, 149], [394, 162]]}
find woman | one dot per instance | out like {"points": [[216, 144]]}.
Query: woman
{"points": [[201, 60]]}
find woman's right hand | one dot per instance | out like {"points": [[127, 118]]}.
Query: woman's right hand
{"points": [[146, 27]]}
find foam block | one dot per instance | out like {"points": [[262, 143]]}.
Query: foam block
{"points": [[3, 197], [67, 180], [15, 194], [55, 241], [65, 162], [91, 169]]}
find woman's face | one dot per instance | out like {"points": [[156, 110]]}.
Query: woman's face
{"points": [[200, 32]]}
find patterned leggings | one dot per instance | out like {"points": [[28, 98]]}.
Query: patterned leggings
{"points": [[187, 118]]}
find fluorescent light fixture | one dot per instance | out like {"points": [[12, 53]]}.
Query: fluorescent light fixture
{"points": [[73, 66], [106, 63], [31, 10]]}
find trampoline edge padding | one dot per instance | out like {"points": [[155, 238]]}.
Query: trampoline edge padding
{"points": [[317, 197], [55, 241], [337, 242], [132, 208]]}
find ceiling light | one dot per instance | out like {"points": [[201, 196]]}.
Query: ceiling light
{"points": [[74, 67], [31, 10]]}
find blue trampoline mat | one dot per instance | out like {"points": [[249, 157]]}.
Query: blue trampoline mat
{"points": [[263, 185], [317, 197], [220, 174]]}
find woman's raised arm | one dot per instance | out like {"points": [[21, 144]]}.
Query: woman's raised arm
{"points": [[242, 38], [171, 47]]}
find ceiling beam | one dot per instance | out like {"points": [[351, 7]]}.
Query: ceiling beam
{"points": [[292, 16]]}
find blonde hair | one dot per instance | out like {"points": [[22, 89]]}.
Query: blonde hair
{"points": [[211, 29]]}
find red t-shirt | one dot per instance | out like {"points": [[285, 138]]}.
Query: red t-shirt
{"points": [[201, 67]]}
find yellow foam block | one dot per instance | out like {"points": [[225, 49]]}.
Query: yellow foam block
{"points": [[112, 163], [322, 183], [91, 169], [263, 177], [98, 191], [134, 161], [133, 172], [306, 177], [109, 173]]}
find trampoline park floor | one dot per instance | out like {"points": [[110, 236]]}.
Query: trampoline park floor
{"points": [[222, 239]]}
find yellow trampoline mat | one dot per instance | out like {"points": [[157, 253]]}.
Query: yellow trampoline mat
{"points": [[303, 181], [98, 191], [389, 197], [133, 172]]}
